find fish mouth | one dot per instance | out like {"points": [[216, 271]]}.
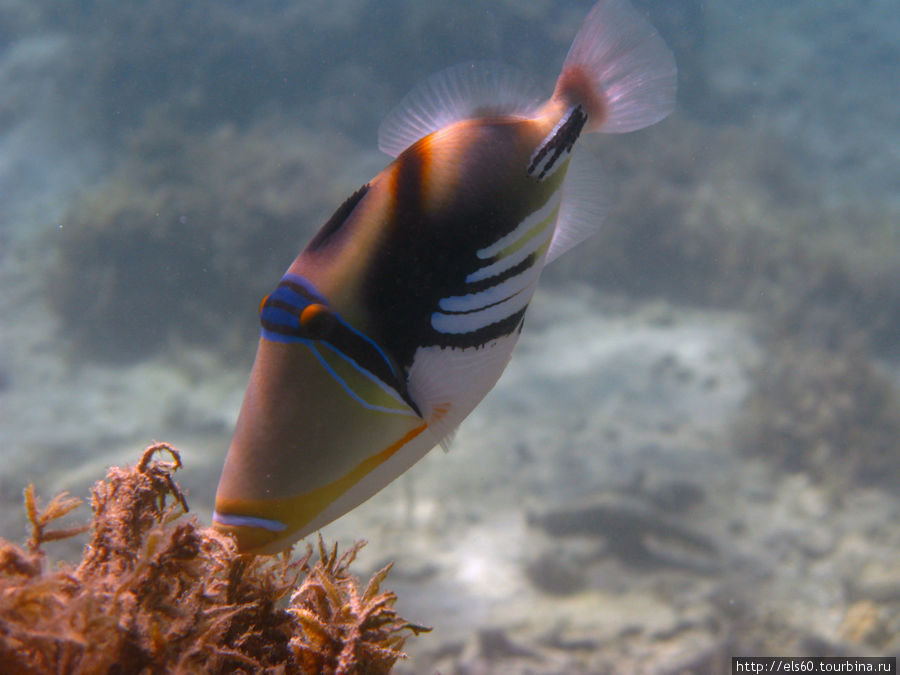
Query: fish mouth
{"points": [[253, 535]]}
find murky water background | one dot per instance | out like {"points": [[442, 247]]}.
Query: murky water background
{"points": [[694, 451]]}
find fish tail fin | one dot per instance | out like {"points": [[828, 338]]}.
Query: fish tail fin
{"points": [[619, 70]]}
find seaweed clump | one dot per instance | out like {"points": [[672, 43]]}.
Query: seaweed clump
{"points": [[189, 223], [155, 592]]}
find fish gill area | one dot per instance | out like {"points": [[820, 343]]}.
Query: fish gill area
{"points": [[694, 451]]}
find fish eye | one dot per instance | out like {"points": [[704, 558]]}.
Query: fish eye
{"points": [[316, 321]]}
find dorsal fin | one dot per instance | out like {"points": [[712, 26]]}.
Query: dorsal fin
{"points": [[465, 91]]}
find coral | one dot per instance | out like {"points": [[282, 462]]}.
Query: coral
{"points": [[155, 592]]}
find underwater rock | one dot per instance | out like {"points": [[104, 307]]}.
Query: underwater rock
{"points": [[634, 531], [831, 414], [555, 574], [494, 643], [495, 650], [676, 496], [155, 592], [878, 581]]}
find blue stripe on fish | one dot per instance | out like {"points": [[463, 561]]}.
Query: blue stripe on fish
{"points": [[301, 286], [231, 520], [279, 316], [350, 391], [296, 312]]}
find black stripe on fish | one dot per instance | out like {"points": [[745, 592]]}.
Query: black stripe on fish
{"points": [[482, 336], [514, 271], [398, 280], [332, 330], [302, 291], [369, 357], [560, 142], [429, 251], [337, 219]]}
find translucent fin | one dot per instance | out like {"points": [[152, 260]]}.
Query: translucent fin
{"points": [[447, 440], [620, 69], [465, 91], [585, 203], [447, 382]]}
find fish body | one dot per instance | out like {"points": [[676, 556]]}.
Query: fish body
{"points": [[402, 312]]}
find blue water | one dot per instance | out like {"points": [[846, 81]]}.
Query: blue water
{"points": [[733, 328]]}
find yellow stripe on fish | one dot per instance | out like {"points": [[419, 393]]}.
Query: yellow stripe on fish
{"points": [[271, 517], [403, 311]]}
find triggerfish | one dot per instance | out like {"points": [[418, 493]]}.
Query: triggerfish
{"points": [[402, 312]]}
